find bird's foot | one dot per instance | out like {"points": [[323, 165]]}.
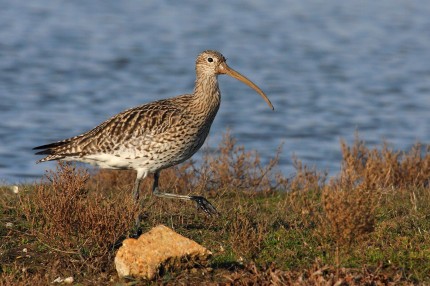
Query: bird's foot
{"points": [[204, 205], [135, 233]]}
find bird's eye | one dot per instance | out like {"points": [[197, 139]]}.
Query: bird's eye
{"points": [[210, 60]]}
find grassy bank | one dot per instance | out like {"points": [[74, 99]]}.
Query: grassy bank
{"points": [[368, 224]]}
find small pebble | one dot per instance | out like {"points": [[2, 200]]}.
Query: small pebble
{"points": [[15, 189], [58, 280], [9, 224], [68, 280]]}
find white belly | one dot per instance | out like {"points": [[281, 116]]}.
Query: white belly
{"points": [[108, 161]]}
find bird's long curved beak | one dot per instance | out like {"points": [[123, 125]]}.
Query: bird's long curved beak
{"points": [[225, 69]]}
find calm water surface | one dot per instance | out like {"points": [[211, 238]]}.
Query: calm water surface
{"points": [[331, 68]]}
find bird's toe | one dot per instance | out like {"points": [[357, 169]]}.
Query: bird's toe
{"points": [[204, 205]]}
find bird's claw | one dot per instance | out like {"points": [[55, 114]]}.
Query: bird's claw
{"points": [[135, 233], [204, 205]]}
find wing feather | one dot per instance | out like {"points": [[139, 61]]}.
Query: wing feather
{"points": [[143, 121]]}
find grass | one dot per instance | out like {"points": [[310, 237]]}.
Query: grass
{"points": [[368, 225]]}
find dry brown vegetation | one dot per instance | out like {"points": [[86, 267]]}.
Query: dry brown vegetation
{"points": [[368, 225]]}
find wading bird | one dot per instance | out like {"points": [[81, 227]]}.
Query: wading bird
{"points": [[157, 135]]}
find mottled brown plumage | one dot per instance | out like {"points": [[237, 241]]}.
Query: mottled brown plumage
{"points": [[156, 135]]}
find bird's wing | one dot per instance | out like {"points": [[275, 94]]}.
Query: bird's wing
{"points": [[138, 123]]}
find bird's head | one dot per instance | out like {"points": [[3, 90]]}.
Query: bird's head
{"points": [[212, 63]]}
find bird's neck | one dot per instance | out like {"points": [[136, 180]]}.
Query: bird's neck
{"points": [[206, 95]]}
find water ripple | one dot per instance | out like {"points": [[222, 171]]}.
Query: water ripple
{"points": [[330, 68]]}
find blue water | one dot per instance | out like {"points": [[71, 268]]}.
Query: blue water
{"points": [[331, 68]]}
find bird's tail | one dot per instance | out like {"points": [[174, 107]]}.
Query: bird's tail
{"points": [[55, 151]]}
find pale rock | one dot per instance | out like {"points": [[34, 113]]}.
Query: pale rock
{"points": [[160, 248], [58, 280], [68, 280], [15, 189]]}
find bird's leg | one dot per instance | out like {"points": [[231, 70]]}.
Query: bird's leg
{"points": [[202, 203], [136, 190]]}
